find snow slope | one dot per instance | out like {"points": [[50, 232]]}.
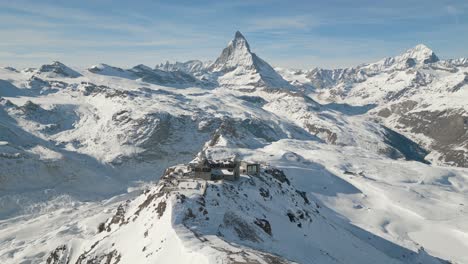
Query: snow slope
{"points": [[223, 223]]}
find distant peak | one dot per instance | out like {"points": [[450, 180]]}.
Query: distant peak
{"points": [[102, 67], [142, 67], [59, 69], [418, 54], [55, 64]]}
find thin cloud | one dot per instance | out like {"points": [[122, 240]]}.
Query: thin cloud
{"points": [[48, 14], [282, 23]]}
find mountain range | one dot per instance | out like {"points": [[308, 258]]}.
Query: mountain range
{"points": [[367, 164]]}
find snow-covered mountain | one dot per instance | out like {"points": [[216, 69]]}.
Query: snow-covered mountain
{"points": [[92, 162], [414, 93], [222, 222], [57, 69], [238, 67]]}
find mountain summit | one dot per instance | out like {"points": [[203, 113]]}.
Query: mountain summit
{"points": [[57, 69], [239, 66], [420, 54], [236, 54]]}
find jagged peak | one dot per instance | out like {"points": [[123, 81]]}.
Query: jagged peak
{"points": [[245, 67], [240, 41], [238, 35], [236, 54], [420, 54]]}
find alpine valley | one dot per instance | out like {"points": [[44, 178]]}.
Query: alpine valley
{"points": [[367, 164]]}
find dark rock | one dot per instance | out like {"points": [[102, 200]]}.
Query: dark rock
{"points": [[264, 224]]}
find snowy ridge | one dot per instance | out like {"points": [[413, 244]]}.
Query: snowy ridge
{"points": [[414, 93], [192, 66]]}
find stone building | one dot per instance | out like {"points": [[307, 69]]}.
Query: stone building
{"points": [[248, 168], [226, 169]]}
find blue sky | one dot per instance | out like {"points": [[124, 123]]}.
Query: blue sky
{"points": [[299, 34]]}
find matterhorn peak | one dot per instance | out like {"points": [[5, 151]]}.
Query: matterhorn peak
{"points": [[236, 54], [238, 35], [239, 39], [241, 67]]}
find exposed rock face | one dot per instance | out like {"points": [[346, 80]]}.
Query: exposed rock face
{"points": [[405, 147], [448, 130], [236, 54], [324, 133], [59, 256]]}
